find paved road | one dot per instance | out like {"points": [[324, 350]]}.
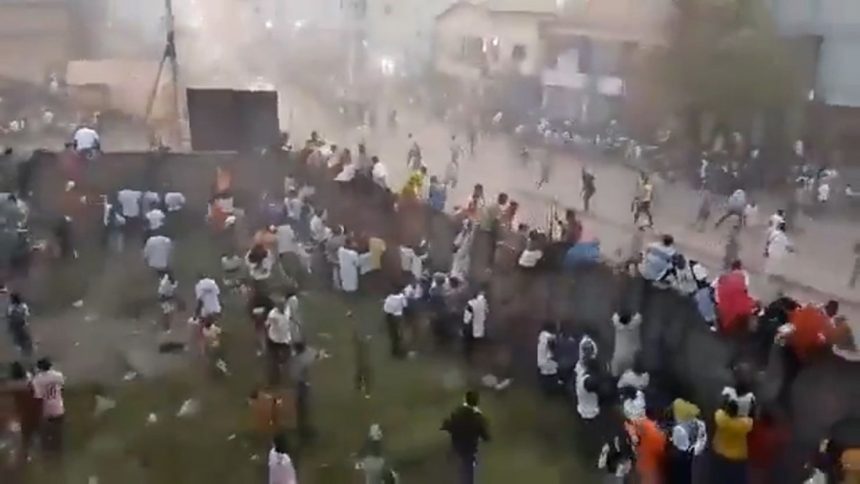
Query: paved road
{"points": [[819, 269]]}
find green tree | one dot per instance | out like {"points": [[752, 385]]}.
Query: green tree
{"points": [[724, 58]]}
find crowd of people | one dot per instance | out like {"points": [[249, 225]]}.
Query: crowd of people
{"points": [[273, 246]]}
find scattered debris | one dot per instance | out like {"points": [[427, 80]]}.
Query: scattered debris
{"points": [[489, 381], [89, 318], [375, 433], [189, 408], [412, 355], [324, 335], [153, 418], [231, 437], [103, 404], [221, 365], [78, 304], [323, 354], [504, 384], [130, 376], [255, 457], [93, 480]]}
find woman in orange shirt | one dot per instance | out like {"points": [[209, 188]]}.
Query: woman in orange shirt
{"points": [[650, 444]]}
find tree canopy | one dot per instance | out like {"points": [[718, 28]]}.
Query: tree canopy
{"points": [[725, 57]]}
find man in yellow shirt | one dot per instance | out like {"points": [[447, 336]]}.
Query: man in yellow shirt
{"points": [[730, 445]]}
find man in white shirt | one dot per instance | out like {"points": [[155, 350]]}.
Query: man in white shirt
{"points": [[155, 220], [207, 293], [157, 252], [379, 173], [319, 231], [129, 205], [174, 201], [474, 323], [86, 139], [546, 362], [48, 387], [393, 307], [587, 384], [348, 264], [279, 336], [129, 201]]}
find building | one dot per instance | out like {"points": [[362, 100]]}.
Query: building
{"points": [[491, 53], [834, 25], [589, 51], [477, 40], [826, 34], [36, 39], [401, 32]]}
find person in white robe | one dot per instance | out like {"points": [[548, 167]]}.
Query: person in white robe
{"points": [[463, 250], [627, 341], [587, 384], [411, 262], [379, 173], [319, 231], [587, 352], [347, 173], [547, 364], [778, 247], [474, 323], [348, 266]]}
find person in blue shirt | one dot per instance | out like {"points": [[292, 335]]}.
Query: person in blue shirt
{"points": [[437, 195]]}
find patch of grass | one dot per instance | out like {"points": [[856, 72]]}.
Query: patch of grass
{"points": [[533, 440]]}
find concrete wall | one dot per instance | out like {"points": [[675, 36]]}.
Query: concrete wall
{"points": [[190, 173], [35, 37]]}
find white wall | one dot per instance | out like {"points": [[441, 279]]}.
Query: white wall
{"points": [[511, 30], [838, 24]]}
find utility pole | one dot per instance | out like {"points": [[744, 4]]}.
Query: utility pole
{"points": [[180, 127]]}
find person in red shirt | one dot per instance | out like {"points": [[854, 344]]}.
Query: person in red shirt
{"points": [[811, 332], [734, 304], [805, 337]]}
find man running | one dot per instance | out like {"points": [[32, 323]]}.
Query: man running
{"points": [[735, 207], [589, 188], [642, 202]]}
